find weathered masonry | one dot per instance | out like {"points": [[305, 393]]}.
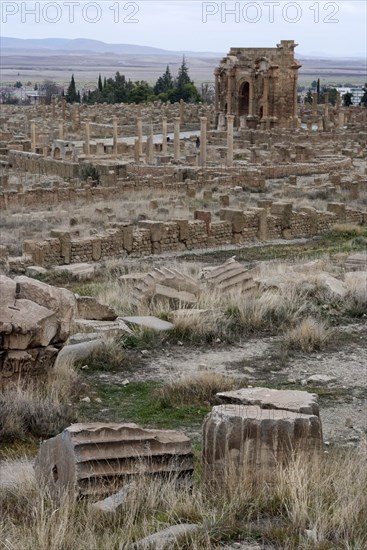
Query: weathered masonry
{"points": [[259, 85]]}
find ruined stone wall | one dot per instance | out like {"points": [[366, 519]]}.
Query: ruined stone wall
{"points": [[152, 237]]}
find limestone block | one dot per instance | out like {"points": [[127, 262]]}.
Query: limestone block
{"points": [[282, 210], [236, 217], [90, 308], [337, 208], [157, 229], [183, 226], [81, 270], [110, 329], [27, 324], [288, 400], [7, 290], [98, 459], [241, 441], [96, 250], [149, 322], [229, 275], [59, 300], [204, 216], [224, 201], [78, 352]]}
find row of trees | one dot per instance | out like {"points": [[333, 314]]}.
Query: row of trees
{"points": [[121, 90], [347, 98]]}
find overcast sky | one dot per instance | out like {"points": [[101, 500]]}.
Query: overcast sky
{"points": [[319, 27]]}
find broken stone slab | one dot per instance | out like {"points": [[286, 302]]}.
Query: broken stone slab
{"points": [[288, 400], [77, 352], [111, 504], [26, 324], [333, 286], [166, 539], [80, 337], [59, 300], [109, 329], [89, 308], [35, 271], [165, 283], [80, 270], [167, 293], [149, 322], [98, 458], [321, 379], [241, 441], [131, 278], [229, 275]]}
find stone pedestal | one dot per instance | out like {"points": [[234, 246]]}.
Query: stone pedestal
{"points": [[176, 138], [247, 442]]}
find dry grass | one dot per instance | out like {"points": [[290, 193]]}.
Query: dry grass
{"points": [[28, 411], [309, 335], [199, 389], [313, 504]]}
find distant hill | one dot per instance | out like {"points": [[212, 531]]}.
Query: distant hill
{"points": [[34, 46]]}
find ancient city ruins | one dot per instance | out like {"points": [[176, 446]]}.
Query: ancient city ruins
{"points": [[150, 187]]}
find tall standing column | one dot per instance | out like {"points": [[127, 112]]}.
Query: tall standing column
{"points": [[251, 98], [115, 136], [203, 127], [176, 138], [216, 102], [61, 129], [266, 97], [33, 136], [295, 97], [182, 110], [164, 135], [150, 145], [229, 93], [230, 119], [314, 103], [87, 138], [139, 123], [63, 108], [326, 101]]}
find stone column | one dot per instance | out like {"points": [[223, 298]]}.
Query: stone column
{"points": [[314, 103], [164, 135], [53, 107], [295, 98], [251, 98], [229, 93], [341, 119], [326, 100], [230, 119], [140, 134], [182, 110], [337, 103], [33, 136], [150, 145], [63, 108], [177, 138], [203, 121], [87, 138], [61, 130], [216, 101], [266, 97], [115, 136]]}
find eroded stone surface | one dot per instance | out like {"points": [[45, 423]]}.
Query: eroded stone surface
{"points": [[241, 440], [98, 459], [288, 400]]}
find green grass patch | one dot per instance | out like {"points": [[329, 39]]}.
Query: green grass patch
{"points": [[142, 403]]}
